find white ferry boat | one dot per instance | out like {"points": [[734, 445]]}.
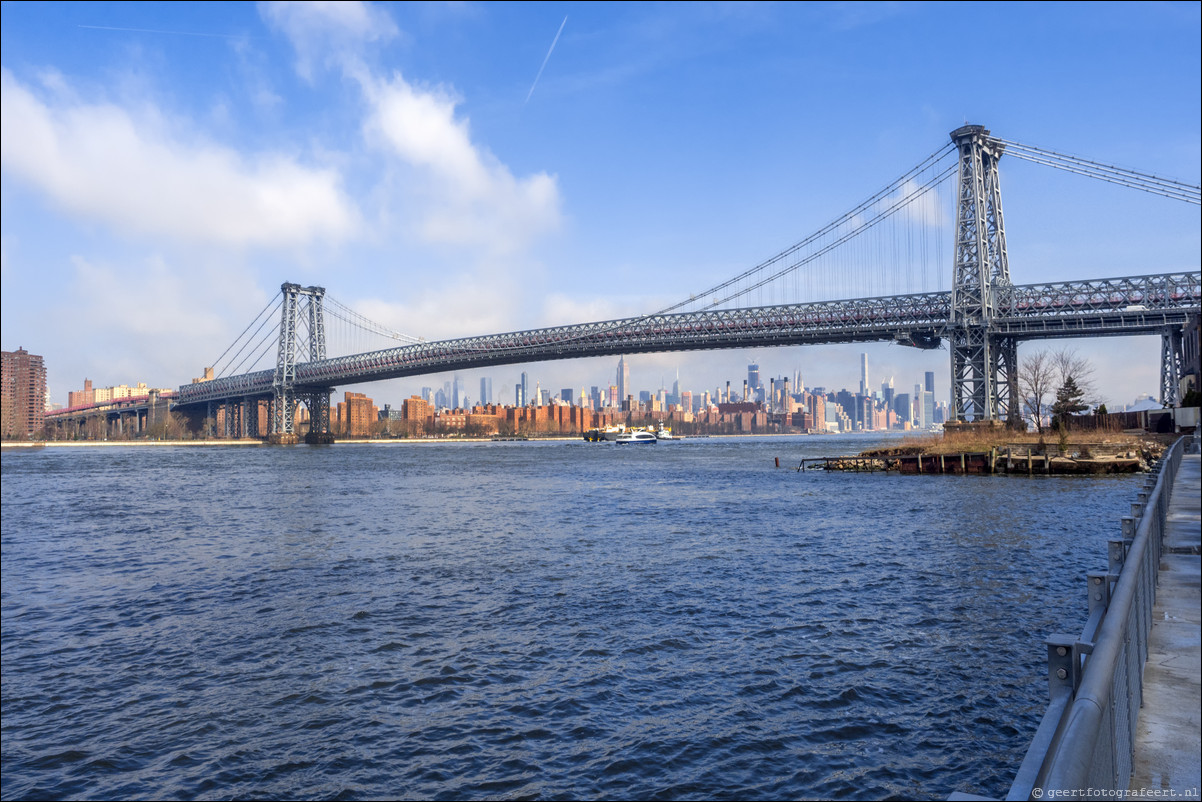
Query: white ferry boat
{"points": [[636, 436]]}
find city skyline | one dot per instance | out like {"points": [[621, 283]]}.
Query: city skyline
{"points": [[167, 166]]}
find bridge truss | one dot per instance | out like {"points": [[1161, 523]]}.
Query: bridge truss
{"points": [[982, 318], [1102, 307]]}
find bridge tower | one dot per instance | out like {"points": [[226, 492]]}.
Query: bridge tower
{"points": [[984, 364], [284, 391]]}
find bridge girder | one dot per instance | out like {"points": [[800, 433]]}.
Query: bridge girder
{"points": [[1096, 307]]}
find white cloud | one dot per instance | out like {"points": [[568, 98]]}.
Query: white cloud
{"points": [[465, 307], [330, 31], [151, 320], [562, 310], [128, 170], [470, 197], [454, 192]]}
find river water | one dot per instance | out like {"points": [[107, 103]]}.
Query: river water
{"points": [[529, 620]]}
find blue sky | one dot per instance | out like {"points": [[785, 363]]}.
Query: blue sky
{"points": [[166, 166]]}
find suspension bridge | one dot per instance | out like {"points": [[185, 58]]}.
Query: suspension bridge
{"points": [[868, 258]]}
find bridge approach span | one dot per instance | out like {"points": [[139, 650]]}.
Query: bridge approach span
{"points": [[1137, 305]]}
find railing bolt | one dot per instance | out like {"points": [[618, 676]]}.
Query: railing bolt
{"points": [[1060, 672], [1060, 650]]}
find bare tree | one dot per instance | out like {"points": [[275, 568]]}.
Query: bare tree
{"points": [[1036, 382], [1068, 364], [1043, 374]]}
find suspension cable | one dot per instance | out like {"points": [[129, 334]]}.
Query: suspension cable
{"points": [[263, 345], [862, 227], [278, 300], [832, 226], [348, 315], [1146, 182]]}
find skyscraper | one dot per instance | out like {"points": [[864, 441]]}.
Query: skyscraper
{"points": [[23, 402], [485, 389], [930, 377], [623, 379], [864, 374], [457, 393]]}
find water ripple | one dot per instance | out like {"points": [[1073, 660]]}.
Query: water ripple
{"points": [[531, 620]]}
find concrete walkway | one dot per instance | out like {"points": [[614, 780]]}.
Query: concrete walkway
{"points": [[1167, 741]]}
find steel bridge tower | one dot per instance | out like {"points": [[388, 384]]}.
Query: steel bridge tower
{"points": [[984, 364], [285, 394]]}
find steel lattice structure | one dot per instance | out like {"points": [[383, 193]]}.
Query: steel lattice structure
{"points": [[983, 319], [984, 361], [1134, 305]]}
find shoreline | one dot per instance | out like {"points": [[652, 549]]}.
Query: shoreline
{"points": [[39, 444]]}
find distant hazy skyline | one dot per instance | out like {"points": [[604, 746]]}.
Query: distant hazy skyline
{"points": [[459, 169]]}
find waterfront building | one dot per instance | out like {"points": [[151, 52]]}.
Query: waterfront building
{"points": [[102, 395], [415, 411], [86, 397], [23, 405], [355, 414]]}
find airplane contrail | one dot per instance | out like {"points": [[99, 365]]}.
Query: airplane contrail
{"points": [[546, 59]]}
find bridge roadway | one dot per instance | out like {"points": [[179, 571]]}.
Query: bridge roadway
{"points": [[1092, 308]]}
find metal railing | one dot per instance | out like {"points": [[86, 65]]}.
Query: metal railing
{"points": [[1087, 736]]}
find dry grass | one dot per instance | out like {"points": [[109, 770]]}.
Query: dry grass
{"points": [[1018, 442]]}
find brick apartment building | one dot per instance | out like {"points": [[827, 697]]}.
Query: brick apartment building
{"points": [[23, 402]]}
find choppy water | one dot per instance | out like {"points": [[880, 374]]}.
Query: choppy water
{"points": [[528, 620]]}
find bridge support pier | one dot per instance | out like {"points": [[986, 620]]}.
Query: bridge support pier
{"points": [[1172, 366], [319, 418]]}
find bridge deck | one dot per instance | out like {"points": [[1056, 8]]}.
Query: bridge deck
{"points": [[1167, 740]]}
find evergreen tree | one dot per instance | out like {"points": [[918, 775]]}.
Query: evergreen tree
{"points": [[1068, 402]]}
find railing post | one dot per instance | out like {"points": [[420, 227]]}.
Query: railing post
{"points": [[1116, 552], [1099, 589], [1062, 673]]}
